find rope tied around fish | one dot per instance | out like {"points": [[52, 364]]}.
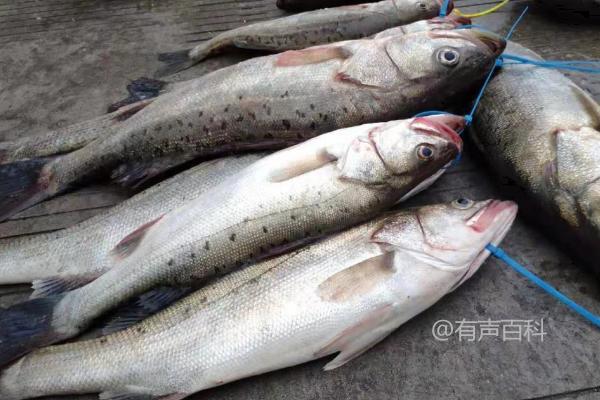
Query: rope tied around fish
{"points": [[456, 11], [499, 63]]}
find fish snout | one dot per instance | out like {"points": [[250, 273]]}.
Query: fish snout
{"points": [[445, 126], [459, 19], [496, 214]]}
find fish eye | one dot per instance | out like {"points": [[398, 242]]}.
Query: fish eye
{"points": [[463, 204], [425, 152], [448, 56], [421, 5]]}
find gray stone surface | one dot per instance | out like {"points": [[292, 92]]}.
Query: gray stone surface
{"points": [[64, 61]]}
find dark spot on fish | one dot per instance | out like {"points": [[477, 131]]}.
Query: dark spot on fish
{"points": [[268, 136], [171, 262], [203, 299], [345, 110], [193, 256], [265, 230], [232, 237], [180, 122], [103, 340], [139, 329], [158, 128], [205, 129], [313, 126], [240, 97], [293, 217], [200, 114], [188, 309], [252, 115], [226, 109], [170, 126], [240, 118], [312, 107], [286, 124], [286, 94], [207, 245], [223, 125], [190, 124]]}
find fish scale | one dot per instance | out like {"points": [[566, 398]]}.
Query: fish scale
{"points": [[281, 312], [84, 250], [268, 103], [540, 132]]}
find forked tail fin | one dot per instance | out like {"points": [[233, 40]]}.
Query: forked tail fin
{"points": [[175, 62], [25, 327], [22, 184]]}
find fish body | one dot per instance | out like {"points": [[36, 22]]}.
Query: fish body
{"points": [[342, 295], [321, 186], [82, 253], [267, 103], [318, 27], [145, 88], [541, 134]]}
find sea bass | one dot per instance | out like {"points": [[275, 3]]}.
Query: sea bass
{"points": [[326, 184], [341, 295], [267, 103], [541, 134], [82, 253], [309, 29], [145, 88]]}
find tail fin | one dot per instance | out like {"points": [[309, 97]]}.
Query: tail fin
{"points": [[22, 184], [139, 89], [175, 62], [25, 327]]}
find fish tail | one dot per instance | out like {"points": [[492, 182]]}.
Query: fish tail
{"points": [[140, 89], [23, 184], [27, 326], [175, 62]]}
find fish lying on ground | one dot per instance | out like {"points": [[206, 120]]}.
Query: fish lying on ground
{"points": [[308, 29], [82, 253], [326, 184], [305, 5], [145, 88], [341, 295], [541, 134], [267, 103]]}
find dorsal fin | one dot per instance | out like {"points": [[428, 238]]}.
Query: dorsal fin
{"points": [[131, 242]]}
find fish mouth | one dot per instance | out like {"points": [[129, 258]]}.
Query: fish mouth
{"points": [[487, 41], [496, 214], [445, 126], [450, 5]]}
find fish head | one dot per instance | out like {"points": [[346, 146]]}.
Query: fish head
{"points": [[448, 240], [445, 61], [420, 9], [403, 153]]}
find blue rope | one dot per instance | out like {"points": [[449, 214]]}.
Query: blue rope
{"points": [[517, 22], [566, 65], [444, 9], [501, 255]]}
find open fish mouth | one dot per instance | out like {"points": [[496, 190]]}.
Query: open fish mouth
{"points": [[445, 126], [502, 213]]}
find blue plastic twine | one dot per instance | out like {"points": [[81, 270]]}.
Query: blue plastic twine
{"points": [[501, 255], [444, 9]]}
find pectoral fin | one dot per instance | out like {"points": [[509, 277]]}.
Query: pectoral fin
{"points": [[359, 338], [313, 55], [129, 243], [299, 164]]}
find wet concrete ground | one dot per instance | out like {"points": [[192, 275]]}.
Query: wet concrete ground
{"points": [[65, 61]]}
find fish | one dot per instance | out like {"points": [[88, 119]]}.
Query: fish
{"points": [[540, 133], [82, 253], [306, 5], [267, 103], [340, 296], [288, 198], [311, 28], [145, 88]]}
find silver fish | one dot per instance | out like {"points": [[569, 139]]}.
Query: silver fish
{"points": [[267, 103], [309, 29], [541, 134], [342, 295], [82, 253], [326, 184]]}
